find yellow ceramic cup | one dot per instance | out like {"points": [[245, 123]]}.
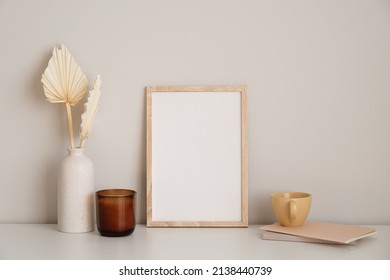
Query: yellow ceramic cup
{"points": [[291, 208]]}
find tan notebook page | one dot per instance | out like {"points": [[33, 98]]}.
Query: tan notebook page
{"points": [[339, 233]]}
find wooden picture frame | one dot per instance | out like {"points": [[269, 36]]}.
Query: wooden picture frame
{"points": [[197, 171]]}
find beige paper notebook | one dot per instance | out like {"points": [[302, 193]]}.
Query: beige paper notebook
{"points": [[272, 235], [338, 233]]}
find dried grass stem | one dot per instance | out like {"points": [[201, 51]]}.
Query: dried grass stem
{"points": [[70, 124]]}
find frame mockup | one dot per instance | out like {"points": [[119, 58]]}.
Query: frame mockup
{"points": [[197, 156]]}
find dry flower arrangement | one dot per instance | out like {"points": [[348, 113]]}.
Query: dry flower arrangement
{"points": [[64, 82]]}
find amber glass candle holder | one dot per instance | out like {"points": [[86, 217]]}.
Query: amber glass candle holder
{"points": [[115, 212]]}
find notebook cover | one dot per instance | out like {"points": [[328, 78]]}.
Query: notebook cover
{"points": [[271, 235], [338, 233]]}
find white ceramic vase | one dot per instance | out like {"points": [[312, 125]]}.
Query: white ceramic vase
{"points": [[75, 193]]}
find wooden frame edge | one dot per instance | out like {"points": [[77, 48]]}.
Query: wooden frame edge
{"points": [[149, 156]]}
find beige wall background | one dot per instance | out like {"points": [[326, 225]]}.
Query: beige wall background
{"points": [[318, 77]]}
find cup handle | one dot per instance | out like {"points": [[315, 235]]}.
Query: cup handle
{"points": [[293, 210]]}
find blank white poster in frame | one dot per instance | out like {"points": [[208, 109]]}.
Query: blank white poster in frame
{"points": [[197, 156]]}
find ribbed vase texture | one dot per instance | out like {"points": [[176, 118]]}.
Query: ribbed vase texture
{"points": [[76, 193]]}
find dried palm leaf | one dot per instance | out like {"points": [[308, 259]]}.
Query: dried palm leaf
{"points": [[64, 82], [91, 108]]}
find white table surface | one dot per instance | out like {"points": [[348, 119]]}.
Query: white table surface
{"points": [[44, 242]]}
